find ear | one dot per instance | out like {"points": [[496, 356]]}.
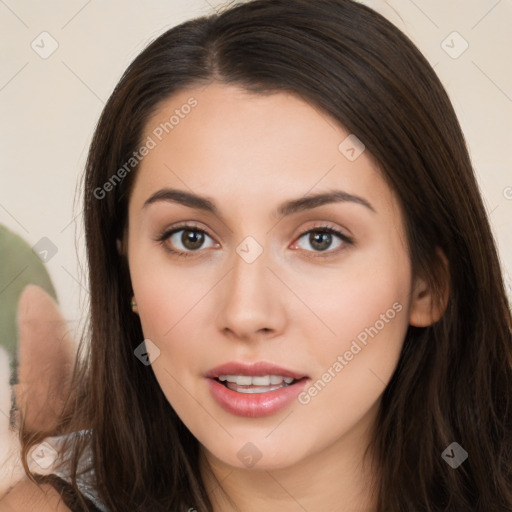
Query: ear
{"points": [[122, 242], [428, 305]]}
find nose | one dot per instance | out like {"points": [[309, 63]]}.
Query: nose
{"points": [[250, 302]]}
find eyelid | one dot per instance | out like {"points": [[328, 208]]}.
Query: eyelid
{"points": [[319, 226], [185, 224]]}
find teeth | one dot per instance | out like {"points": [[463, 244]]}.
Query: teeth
{"points": [[260, 380], [254, 389], [264, 380], [275, 379]]}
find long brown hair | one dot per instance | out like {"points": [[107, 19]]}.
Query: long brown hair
{"points": [[453, 381]]}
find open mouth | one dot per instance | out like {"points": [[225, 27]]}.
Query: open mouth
{"points": [[255, 384], [254, 390]]}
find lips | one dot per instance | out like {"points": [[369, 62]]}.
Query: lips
{"points": [[253, 370], [254, 390]]}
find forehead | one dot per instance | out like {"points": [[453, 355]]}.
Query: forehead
{"points": [[223, 141]]}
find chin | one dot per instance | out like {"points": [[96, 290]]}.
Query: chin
{"points": [[258, 455]]}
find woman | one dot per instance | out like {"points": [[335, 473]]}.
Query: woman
{"points": [[296, 301]]}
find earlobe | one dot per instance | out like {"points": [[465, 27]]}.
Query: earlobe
{"points": [[429, 305]]}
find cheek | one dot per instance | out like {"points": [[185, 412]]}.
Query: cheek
{"points": [[165, 291], [366, 309], [366, 294], [171, 301]]}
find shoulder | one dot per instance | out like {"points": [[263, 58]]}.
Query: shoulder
{"points": [[27, 496]]}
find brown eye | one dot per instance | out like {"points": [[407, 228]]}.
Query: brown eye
{"points": [[188, 239], [192, 240], [322, 240]]}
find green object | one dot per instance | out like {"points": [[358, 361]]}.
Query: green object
{"points": [[20, 266]]}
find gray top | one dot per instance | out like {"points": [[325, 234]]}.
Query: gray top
{"points": [[50, 458], [47, 458]]}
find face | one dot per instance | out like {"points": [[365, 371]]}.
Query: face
{"points": [[257, 241]]}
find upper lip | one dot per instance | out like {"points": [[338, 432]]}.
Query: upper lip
{"points": [[255, 369]]}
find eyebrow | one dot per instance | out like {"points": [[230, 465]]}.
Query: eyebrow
{"points": [[287, 208]]}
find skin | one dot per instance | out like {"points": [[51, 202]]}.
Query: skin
{"points": [[26, 496], [295, 305]]}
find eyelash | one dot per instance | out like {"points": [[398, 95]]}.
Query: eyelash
{"points": [[162, 238]]}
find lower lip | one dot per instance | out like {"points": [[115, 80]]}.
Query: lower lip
{"points": [[255, 405]]}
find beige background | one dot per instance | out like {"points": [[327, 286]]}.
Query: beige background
{"points": [[49, 106]]}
